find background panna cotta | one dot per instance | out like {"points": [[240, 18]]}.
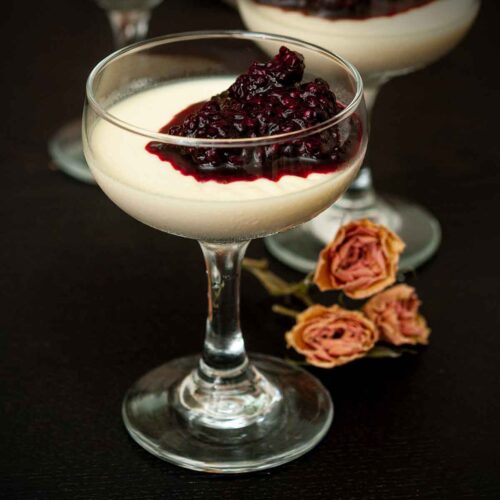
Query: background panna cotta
{"points": [[157, 194], [381, 45]]}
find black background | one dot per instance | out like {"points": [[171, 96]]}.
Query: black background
{"points": [[91, 299]]}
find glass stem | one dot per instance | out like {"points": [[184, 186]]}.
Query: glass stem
{"points": [[128, 26], [361, 194], [225, 393], [224, 354]]}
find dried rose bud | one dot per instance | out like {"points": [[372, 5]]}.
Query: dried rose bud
{"points": [[331, 336], [395, 312], [362, 260]]}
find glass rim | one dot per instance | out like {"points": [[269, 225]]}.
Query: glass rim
{"points": [[207, 142]]}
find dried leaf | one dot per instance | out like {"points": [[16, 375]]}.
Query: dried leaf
{"points": [[275, 285], [382, 351], [294, 362], [256, 263]]}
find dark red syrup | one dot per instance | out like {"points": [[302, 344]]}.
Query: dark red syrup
{"points": [[347, 9], [269, 99]]}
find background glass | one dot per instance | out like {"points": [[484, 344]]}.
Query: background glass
{"points": [[129, 20], [381, 48]]}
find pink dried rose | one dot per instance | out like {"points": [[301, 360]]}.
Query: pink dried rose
{"points": [[331, 336], [362, 260], [395, 313]]}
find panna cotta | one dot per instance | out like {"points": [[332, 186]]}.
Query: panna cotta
{"points": [[210, 194], [377, 36]]}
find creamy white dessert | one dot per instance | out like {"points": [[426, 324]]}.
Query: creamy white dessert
{"points": [[384, 45], [157, 194]]}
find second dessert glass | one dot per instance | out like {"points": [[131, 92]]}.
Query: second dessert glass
{"points": [[222, 411], [383, 39]]}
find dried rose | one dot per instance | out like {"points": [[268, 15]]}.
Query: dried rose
{"points": [[395, 313], [361, 260], [331, 336]]}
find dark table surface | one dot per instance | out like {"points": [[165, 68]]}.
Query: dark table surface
{"points": [[91, 299]]}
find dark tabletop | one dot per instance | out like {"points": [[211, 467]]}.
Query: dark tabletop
{"points": [[91, 299]]}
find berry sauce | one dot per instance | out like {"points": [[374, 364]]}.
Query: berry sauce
{"points": [[347, 9], [268, 99]]}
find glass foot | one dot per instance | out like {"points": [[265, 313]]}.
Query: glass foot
{"points": [[154, 417], [66, 151], [419, 229]]}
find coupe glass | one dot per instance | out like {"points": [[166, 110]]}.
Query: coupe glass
{"points": [[222, 411], [129, 20], [381, 48]]}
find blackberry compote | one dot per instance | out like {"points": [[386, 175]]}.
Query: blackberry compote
{"points": [[269, 99], [347, 9]]}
